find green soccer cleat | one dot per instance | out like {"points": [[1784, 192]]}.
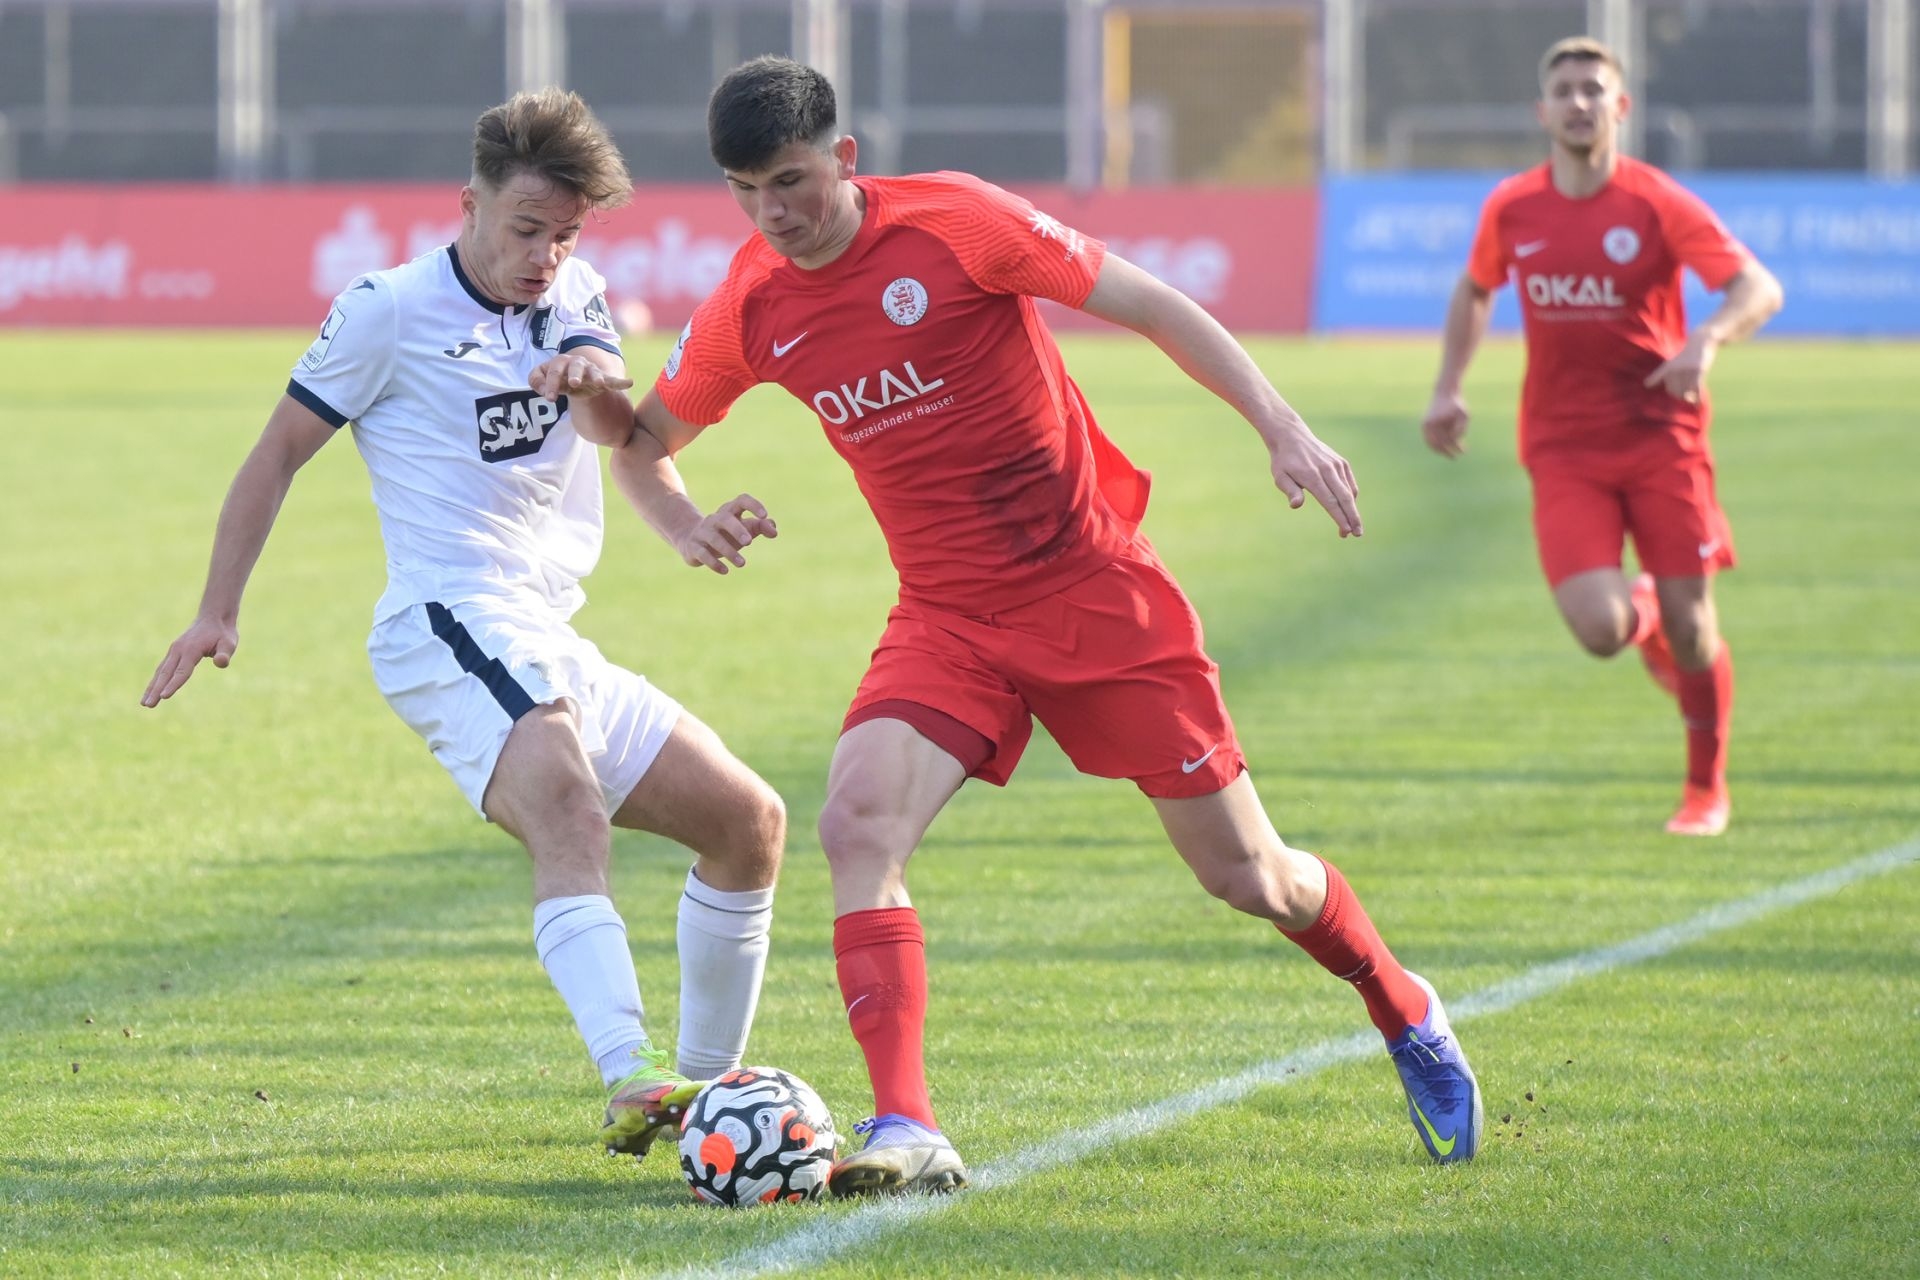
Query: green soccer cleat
{"points": [[645, 1104]]}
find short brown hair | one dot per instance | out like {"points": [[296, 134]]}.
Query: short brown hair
{"points": [[1579, 49], [554, 134]]}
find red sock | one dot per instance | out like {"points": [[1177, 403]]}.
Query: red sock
{"points": [[1346, 944], [881, 956], [1706, 707], [1646, 616]]}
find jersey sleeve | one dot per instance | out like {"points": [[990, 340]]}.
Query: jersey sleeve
{"points": [[1008, 246], [707, 370], [1697, 238], [584, 316], [1489, 261], [350, 363]]}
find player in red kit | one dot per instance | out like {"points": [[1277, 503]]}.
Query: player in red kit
{"points": [[901, 311], [1613, 417]]}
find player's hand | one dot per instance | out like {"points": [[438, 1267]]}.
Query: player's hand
{"points": [[718, 540], [1303, 464], [1445, 425], [1684, 376], [574, 375], [206, 638]]}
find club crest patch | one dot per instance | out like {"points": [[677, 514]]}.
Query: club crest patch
{"points": [[1621, 244], [904, 301], [542, 329]]}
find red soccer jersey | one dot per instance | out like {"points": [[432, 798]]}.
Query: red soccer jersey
{"points": [[1599, 283], [920, 350]]}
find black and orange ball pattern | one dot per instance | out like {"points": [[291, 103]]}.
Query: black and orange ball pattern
{"points": [[756, 1136]]}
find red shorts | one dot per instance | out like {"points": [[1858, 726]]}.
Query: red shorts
{"points": [[1112, 666], [1584, 507]]}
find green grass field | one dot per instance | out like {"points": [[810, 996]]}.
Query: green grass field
{"points": [[269, 1005]]}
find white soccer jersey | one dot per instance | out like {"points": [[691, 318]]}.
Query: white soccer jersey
{"points": [[482, 486]]}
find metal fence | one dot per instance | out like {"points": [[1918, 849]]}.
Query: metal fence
{"points": [[1093, 92]]}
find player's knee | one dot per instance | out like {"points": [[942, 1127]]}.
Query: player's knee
{"points": [[856, 830], [742, 831], [1247, 884], [1603, 637], [1696, 651], [763, 834], [548, 805], [1693, 640]]}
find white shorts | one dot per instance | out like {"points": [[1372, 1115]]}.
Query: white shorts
{"points": [[461, 674]]}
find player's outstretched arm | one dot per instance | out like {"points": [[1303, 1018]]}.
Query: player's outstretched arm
{"points": [[1753, 296], [293, 434], [1302, 463], [591, 379], [644, 472], [1445, 426]]}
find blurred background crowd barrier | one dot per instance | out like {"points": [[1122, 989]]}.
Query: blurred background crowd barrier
{"points": [[1313, 165]]}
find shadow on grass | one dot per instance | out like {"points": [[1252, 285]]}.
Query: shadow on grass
{"points": [[353, 915], [105, 1180]]}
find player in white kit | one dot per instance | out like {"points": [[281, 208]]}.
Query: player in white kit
{"points": [[454, 372]]}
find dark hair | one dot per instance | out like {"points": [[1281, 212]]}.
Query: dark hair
{"points": [[554, 135], [761, 106]]}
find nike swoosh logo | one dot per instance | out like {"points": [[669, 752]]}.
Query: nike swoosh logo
{"points": [[1189, 766], [851, 1007], [1708, 548], [1433, 1135], [781, 348], [1529, 249]]}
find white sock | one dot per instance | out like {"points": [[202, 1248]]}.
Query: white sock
{"points": [[723, 954], [583, 943]]}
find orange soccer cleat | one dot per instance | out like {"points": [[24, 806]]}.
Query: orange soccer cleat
{"points": [[1703, 811], [1653, 642]]}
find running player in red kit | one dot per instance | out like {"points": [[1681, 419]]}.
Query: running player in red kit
{"points": [[1613, 417], [901, 311]]}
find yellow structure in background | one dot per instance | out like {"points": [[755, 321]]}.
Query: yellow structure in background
{"points": [[1236, 89]]}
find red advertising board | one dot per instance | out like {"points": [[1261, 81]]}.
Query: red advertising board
{"points": [[217, 255]]}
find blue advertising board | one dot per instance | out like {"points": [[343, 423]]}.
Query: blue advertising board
{"points": [[1846, 249]]}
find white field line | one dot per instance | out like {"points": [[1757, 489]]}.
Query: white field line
{"points": [[826, 1238]]}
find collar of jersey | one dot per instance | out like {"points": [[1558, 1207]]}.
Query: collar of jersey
{"points": [[460, 274]]}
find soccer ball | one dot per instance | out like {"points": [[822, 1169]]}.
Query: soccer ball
{"points": [[756, 1136]]}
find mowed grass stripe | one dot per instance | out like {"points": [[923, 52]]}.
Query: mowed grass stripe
{"points": [[826, 1240]]}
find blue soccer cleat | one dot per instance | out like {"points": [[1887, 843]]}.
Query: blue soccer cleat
{"points": [[1443, 1098], [901, 1155]]}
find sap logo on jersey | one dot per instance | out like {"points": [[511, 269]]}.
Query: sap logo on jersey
{"points": [[850, 402], [1573, 291], [515, 424]]}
